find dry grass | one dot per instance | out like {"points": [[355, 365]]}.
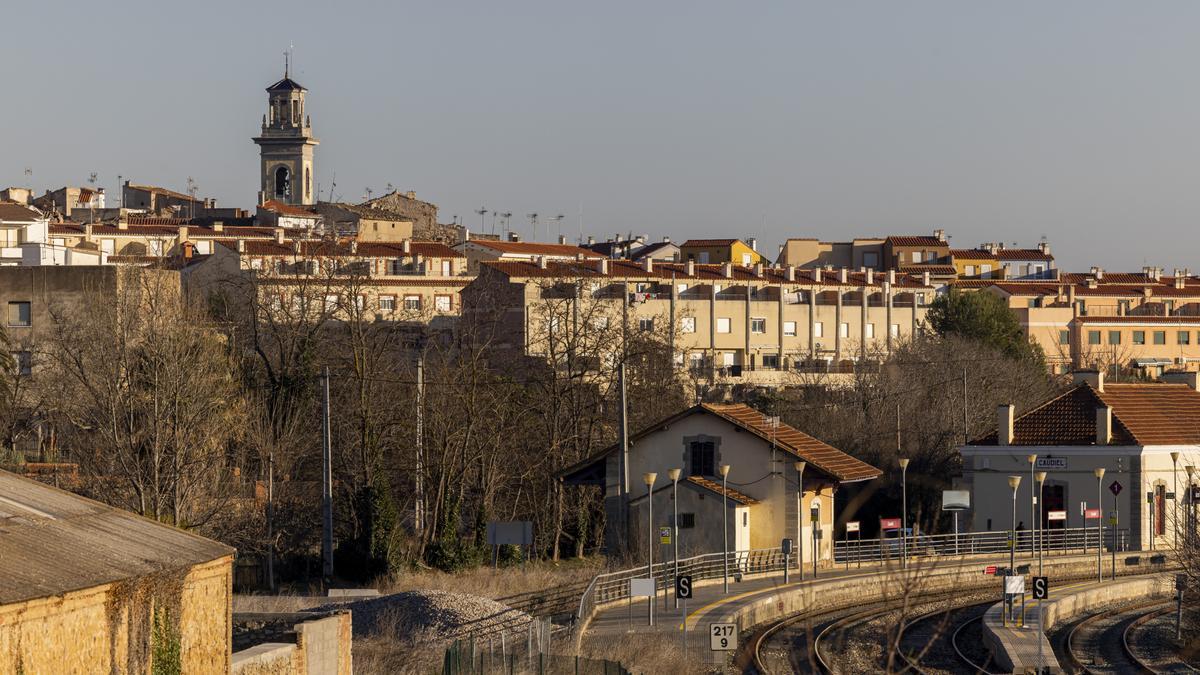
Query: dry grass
{"points": [[649, 653], [501, 583]]}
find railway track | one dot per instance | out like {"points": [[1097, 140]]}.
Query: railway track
{"points": [[1102, 642]]}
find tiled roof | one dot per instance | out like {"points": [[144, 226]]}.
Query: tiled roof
{"points": [[320, 248], [1143, 414], [368, 212], [691, 243], [817, 453], [287, 209], [915, 241], [714, 486], [651, 249], [536, 248], [18, 212], [625, 269], [1109, 278], [1167, 320], [400, 281], [161, 191], [972, 254], [932, 268], [1022, 254], [286, 84]]}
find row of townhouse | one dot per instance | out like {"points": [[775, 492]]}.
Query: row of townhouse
{"points": [[719, 320], [1147, 322]]}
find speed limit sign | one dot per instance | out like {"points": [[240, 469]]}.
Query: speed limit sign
{"points": [[722, 636]]}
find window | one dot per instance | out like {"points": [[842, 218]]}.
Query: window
{"points": [[722, 324], [916, 256], [871, 259], [930, 256], [1033, 302], [1139, 337], [703, 456], [870, 330], [758, 325], [789, 328], [283, 182], [985, 271], [771, 361], [1093, 337], [818, 329], [601, 322], [24, 361], [844, 330], [747, 259], [646, 325], [441, 303], [1160, 337], [1023, 269], [19, 313], [412, 302], [331, 303], [360, 302], [396, 266], [687, 324], [702, 257], [204, 247], [1184, 337], [687, 521], [1064, 337], [895, 330], [681, 287], [1114, 337], [970, 270], [447, 268], [387, 303]]}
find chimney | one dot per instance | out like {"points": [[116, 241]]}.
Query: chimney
{"points": [[1092, 283], [752, 242], [790, 274], [407, 246], [1099, 274], [591, 240], [1187, 377], [1044, 248], [758, 269], [940, 234], [541, 262], [870, 277], [817, 274], [666, 240], [1180, 280], [843, 275], [87, 232], [1095, 378], [279, 235], [648, 264], [183, 233], [727, 270], [1004, 424], [241, 245], [604, 266], [690, 268], [410, 194], [562, 239], [891, 277], [353, 247], [513, 236], [1071, 294], [1103, 425], [218, 226], [925, 278], [122, 224]]}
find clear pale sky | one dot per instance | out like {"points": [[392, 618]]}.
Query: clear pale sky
{"points": [[1077, 120]]}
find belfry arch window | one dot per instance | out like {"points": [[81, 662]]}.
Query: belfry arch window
{"points": [[307, 182], [283, 182]]}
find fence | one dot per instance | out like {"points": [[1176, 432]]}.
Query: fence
{"points": [[971, 543], [522, 651]]}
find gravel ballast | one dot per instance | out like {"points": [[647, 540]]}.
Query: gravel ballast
{"points": [[435, 615]]}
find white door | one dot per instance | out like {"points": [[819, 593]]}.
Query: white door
{"points": [[727, 358]]}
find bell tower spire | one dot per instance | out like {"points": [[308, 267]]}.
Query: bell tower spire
{"points": [[286, 143]]}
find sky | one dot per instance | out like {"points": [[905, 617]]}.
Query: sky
{"points": [[1076, 120]]}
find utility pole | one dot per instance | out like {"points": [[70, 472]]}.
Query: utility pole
{"points": [[326, 481], [271, 520], [623, 469], [966, 437], [419, 488]]}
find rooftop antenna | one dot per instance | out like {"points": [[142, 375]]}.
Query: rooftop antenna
{"points": [[369, 191], [482, 211], [92, 199], [495, 214], [557, 219], [504, 218], [332, 185], [391, 188], [192, 193], [533, 222]]}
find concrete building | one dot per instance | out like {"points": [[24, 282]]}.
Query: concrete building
{"points": [[364, 223], [761, 497], [406, 206], [753, 325], [274, 213], [1129, 430], [87, 588], [635, 248], [716, 251], [286, 146], [67, 201], [23, 234]]}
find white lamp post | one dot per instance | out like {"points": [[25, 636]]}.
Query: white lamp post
{"points": [[1191, 521], [800, 517], [1175, 475], [1013, 482], [1040, 477], [674, 475], [725, 527], [903, 513], [1033, 500], [1099, 473], [648, 478]]}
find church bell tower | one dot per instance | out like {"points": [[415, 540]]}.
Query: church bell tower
{"points": [[286, 146]]}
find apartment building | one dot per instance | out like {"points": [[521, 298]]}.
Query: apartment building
{"points": [[480, 250], [635, 248], [1145, 322], [716, 251], [894, 252], [720, 320]]}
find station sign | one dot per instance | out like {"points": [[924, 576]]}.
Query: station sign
{"points": [[1056, 515], [889, 523]]}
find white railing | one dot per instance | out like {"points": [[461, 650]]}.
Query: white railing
{"points": [[973, 543]]}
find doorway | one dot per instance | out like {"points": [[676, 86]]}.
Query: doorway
{"points": [[1054, 498]]}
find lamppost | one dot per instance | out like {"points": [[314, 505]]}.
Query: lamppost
{"points": [[1191, 521], [648, 478], [1040, 477], [1175, 475], [800, 517], [1013, 482], [1099, 473], [904, 513], [725, 527], [674, 475], [1033, 500]]}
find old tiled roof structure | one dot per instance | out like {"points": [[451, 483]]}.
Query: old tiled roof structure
{"points": [[708, 242], [1142, 414], [536, 248], [972, 254], [18, 212], [288, 209], [626, 269], [318, 247], [1022, 254], [714, 486], [918, 240]]}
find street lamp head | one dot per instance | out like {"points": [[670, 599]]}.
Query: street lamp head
{"points": [[903, 463], [1190, 470], [1014, 481], [724, 470], [674, 474], [1031, 458], [1040, 476], [800, 466], [1174, 455], [1098, 472], [648, 478]]}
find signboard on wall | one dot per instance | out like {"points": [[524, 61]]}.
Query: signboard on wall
{"points": [[514, 533], [889, 523], [1051, 463], [956, 500]]}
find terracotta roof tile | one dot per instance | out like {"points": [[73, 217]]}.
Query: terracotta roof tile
{"points": [[919, 240], [536, 248], [714, 486], [972, 254], [708, 242], [321, 248], [626, 269], [18, 212], [288, 209], [1022, 254]]}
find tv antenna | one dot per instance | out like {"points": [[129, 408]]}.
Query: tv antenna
{"points": [[558, 220], [482, 211], [192, 193], [533, 222], [504, 218], [369, 191], [390, 188]]}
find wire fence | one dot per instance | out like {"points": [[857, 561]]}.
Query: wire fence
{"points": [[1080, 539], [540, 648]]}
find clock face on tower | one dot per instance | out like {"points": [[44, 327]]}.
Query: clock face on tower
{"points": [[286, 146]]}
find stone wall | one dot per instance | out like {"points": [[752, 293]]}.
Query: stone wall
{"points": [[300, 644], [406, 205]]}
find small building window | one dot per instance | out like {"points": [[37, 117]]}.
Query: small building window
{"points": [[722, 324], [789, 328], [1114, 337], [687, 521], [818, 329], [24, 363], [970, 270], [646, 325], [1139, 337], [1160, 337], [1093, 337], [844, 330], [703, 456], [331, 303], [870, 331], [895, 330], [1184, 337], [771, 361], [20, 313], [283, 182], [387, 303], [1064, 337], [758, 325], [412, 302], [441, 303], [687, 324]]}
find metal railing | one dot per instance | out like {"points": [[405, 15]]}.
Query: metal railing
{"points": [[973, 543], [613, 586]]}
